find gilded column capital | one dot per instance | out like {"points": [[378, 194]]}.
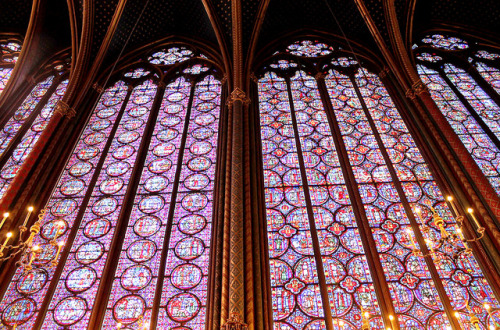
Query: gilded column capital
{"points": [[384, 73], [238, 95], [224, 79], [234, 322], [64, 109], [416, 89], [98, 88]]}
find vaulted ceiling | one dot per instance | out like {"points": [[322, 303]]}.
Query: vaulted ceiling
{"points": [[210, 21]]}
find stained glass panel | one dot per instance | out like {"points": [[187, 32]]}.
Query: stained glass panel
{"points": [[29, 139], [8, 54], [67, 198], [475, 140]]}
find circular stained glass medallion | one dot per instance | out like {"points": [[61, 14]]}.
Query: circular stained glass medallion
{"points": [[105, 206], [72, 187], [204, 119], [138, 111], [174, 108], [159, 166], [141, 251], [111, 186], [200, 148], [106, 113], [10, 172], [128, 309], [186, 276], [70, 310], [117, 168], [94, 138], [207, 96], [147, 226], [79, 169], [201, 163], [142, 99], [87, 153], [183, 307], [96, 228], [170, 121], [31, 281], [151, 204], [81, 279], [128, 137], [156, 184], [167, 134], [164, 149], [189, 248], [52, 228], [176, 96], [192, 224], [202, 133], [89, 252], [48, 252], [110, 101], [133, 124], [99, 125], [194, 202], [123, 152], [63, 207], [19, 311], [196, 181], [136, 277], [206, 106]]}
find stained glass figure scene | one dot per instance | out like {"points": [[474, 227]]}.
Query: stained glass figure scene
{"points": [[133, 207], [353, 211], [464, 81]]}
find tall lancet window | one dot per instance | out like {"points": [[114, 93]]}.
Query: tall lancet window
{"points": [[352, 206], [9, 52], [133, 207], [21, 129], [464, 81]]}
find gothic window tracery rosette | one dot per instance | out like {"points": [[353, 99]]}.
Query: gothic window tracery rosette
{"points": [[63, 205], [29, 139], [137, 271], [185, 286], [106, 203]]}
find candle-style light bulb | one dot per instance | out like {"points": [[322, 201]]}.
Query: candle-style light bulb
{"points": [[5, 216], [391, 317], [8, 236], [487, 307], [471, 212], [30, 209]]}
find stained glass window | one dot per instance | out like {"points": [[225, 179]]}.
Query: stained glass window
{"points": [[136, 201], [343, 181], [9, 52], [464, 81]]}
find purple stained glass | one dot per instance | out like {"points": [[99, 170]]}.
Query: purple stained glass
{"points": [[60, 207], [294, 278], [9, 54], [444, 42], [490, 74], [184, 293], [30, 138], [106, 200], [475, 140], [422, 191]]}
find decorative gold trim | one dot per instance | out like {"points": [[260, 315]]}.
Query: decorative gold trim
{"points": [[234, 322], [64, 109], [238, 95]]}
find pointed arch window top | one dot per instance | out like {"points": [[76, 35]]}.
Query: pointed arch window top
{"points": [[9, 51], [171, 56], [445, 42], [196, 69], [309, 48], [283, 64]]}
